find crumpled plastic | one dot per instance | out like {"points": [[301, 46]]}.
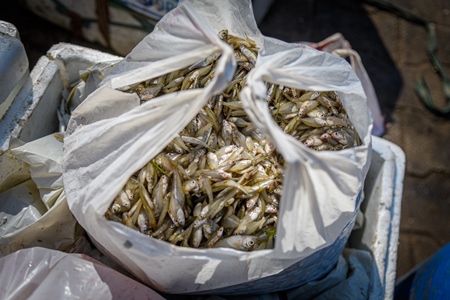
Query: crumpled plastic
{"points": [[39, 273], [110, 136], [35, 212]]}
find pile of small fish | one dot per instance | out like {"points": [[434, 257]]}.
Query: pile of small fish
{"points": [[219, 182], [317, 119]]}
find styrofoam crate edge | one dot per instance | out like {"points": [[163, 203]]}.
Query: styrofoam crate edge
{"points": [[400, 160], [41, 94], [13, 60], [386, 256], [65, 55], [24, 103], [383, 186], [381, 239], [41, 78]]}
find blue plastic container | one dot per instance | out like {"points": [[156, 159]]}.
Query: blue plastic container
{"points": [[430, 280]]}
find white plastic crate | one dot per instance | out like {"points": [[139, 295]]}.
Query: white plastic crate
{"points": [[34, 115]]}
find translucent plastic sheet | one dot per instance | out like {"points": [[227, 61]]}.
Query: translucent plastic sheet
{"points": [[39, 273], [35, 212]]}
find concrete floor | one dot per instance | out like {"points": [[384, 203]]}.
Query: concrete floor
{"points": [[393, 52]]}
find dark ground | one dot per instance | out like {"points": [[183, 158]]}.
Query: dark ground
{"points": [[393, 52]]}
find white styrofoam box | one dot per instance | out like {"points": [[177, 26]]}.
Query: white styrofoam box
{"points": [[383, 190], [383, 186], [13, 65], [32, 114]]}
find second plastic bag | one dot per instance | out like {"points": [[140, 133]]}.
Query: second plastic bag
{"points": [[35, 212], [52, 274], [110, 137]]}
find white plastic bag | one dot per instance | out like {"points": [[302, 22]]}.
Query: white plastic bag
{"points": [[51, 274], [111, 136], [35, 212]]}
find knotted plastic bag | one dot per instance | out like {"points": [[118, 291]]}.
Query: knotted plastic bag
{"points": [[111, 136]]}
